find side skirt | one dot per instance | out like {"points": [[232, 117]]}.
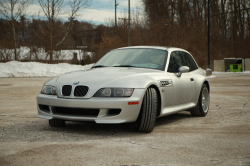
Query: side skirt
{"points": [[174, 109]]}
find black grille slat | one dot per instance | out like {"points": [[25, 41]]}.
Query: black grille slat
{"points": [[76, 111], [66, 90], [81, 91], [85, 90], [76, 93]]}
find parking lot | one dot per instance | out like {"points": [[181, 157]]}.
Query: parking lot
{"points": [[220, 138]]}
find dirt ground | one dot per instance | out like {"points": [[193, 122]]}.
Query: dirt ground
{"points": [[220, 138]]}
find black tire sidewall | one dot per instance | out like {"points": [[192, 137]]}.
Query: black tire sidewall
{"points": [[146, 119]]}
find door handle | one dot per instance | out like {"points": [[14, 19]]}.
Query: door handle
{"points": [[191, 79]]}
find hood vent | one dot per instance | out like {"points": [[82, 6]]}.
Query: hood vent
{"points": [[81, 91]]}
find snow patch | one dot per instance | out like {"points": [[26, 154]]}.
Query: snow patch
{"points": [[212, 76], [36, 69], [25, 53], [215, 72], [244, 72]]}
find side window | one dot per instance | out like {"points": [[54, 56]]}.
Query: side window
{"points": [[190, 62], [177, 60]]}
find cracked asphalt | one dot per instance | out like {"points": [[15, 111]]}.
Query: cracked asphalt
{"points": [[220, 138]]}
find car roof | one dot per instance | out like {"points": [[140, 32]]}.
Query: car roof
{"points": [[153, 47]]}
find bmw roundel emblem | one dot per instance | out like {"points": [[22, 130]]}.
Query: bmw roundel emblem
{"points": [[77, 82]]}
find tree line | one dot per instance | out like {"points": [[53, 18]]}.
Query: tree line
{"points": [[177, 23], [185, 25]]}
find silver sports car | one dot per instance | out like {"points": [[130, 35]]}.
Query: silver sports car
{"points": [[131, 84]]}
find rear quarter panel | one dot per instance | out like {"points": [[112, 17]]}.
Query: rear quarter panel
{"points": [[199, 81]]}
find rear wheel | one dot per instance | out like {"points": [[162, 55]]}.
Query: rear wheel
{"points": [[146, 119], [202, 106], [56, 123]]}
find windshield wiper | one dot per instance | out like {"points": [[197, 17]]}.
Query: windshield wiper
{"points": [[98, 66], [124, 66]]}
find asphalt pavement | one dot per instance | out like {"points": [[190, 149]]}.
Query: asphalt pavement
{"points": [[220, 138]]}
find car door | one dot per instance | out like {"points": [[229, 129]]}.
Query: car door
{"points": [[194, 73], [184, 85]]}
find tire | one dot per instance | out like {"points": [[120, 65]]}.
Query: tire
{"points": [[202, 106], [146, 119], [56, 123]]}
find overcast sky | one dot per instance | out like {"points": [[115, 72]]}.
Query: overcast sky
{"points": [[98, 12]]}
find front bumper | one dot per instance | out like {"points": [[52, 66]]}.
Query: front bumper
{"points": [[129, 113]]}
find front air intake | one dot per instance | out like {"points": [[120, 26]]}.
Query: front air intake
{"points": [[81, 91], [76, 111], [44, 108], [66, 90]]}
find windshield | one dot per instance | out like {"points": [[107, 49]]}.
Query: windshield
{"points": [[142, 58]]}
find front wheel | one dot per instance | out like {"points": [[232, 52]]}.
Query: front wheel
{"points": [[202, 106], [146, 119]]}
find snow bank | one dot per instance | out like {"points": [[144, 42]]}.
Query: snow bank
{"points": [[36, 69], [215, 72], [24, 53], [212, 76], [204, 73]]}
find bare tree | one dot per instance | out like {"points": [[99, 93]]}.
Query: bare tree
{"points": [[12, 10], [53, 10]]}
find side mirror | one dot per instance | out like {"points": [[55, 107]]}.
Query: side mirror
{"points": [[182, 69]]}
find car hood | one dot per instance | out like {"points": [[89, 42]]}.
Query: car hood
{"points": [[99, 78]]}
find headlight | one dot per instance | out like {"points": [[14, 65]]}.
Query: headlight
{"points": [[114, 92], [48, 90]]}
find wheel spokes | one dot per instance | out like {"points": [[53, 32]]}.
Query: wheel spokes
{"points": [[205, 99]]}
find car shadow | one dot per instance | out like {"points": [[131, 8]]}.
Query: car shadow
{"points": [[39, 129], [95, 127], [166, 120], [92, 127]]}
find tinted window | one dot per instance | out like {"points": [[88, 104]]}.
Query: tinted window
{"points": [[139, 57], [190, 62], [177, 59]]}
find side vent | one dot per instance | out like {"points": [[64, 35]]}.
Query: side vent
{"points": [[165, 82]]}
